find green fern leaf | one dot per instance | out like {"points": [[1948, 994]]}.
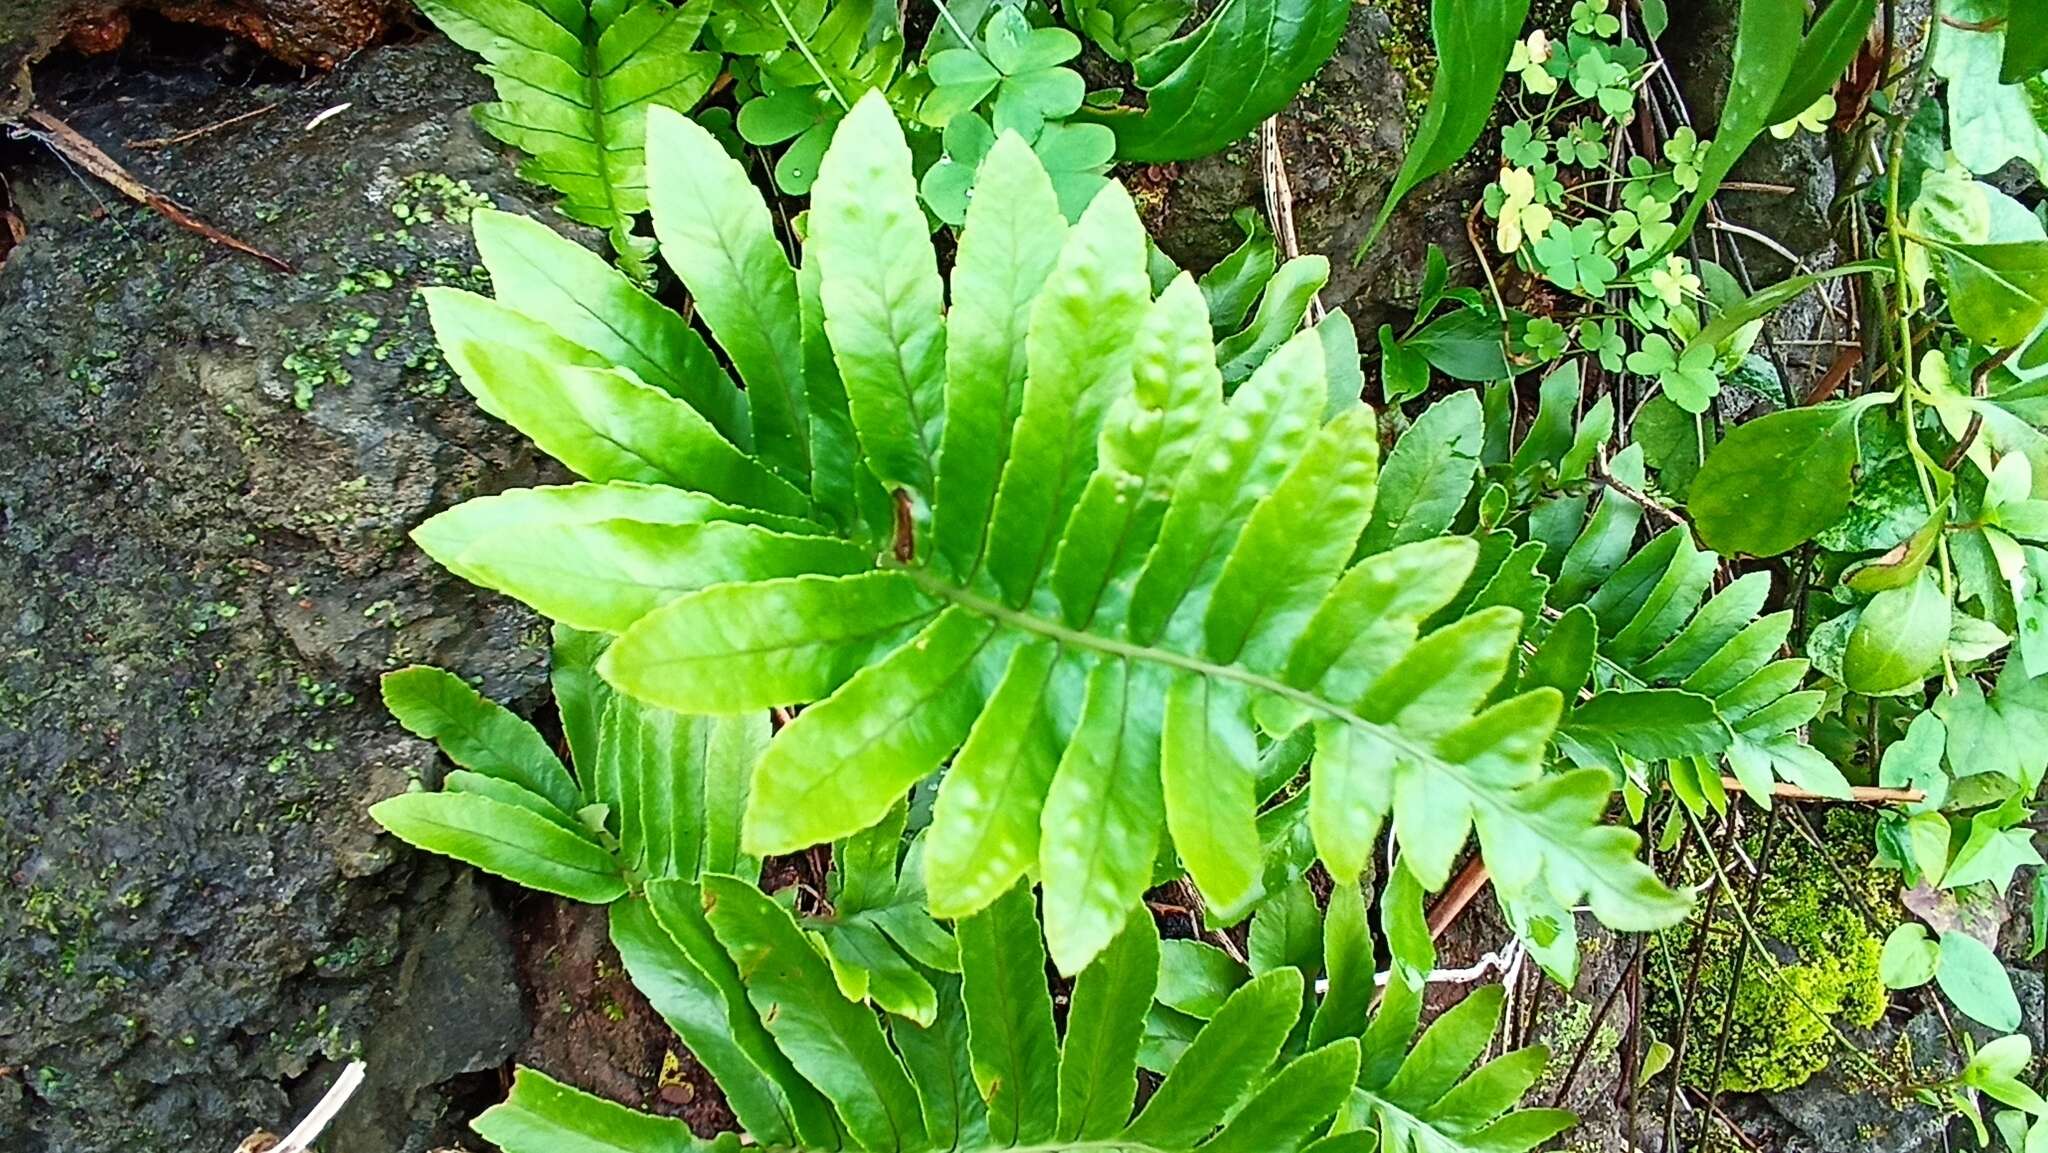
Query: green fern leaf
{"points": [[1013, 1048], [655, 794], [544, 1114], [880, 940], [989, 1069], [1680, 675], [1146, 581], [574, 84]]}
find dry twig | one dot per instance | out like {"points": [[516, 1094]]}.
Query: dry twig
{"points": [[1280, 201], [1858, 794], [87, 155], [302, 1136], [156, 142], [1607, 478]]}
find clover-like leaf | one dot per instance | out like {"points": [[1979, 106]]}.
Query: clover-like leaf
{"points": [[1576, 259], [1523, 145], [1546, 339], [1814, 119], [1591, 18], [1531, 61], [1603, 339], [1687, 154], [1686, 376]]}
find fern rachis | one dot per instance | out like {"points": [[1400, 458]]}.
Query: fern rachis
{"points": [[1116, 573]]}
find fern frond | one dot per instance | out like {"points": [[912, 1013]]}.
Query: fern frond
{"points": [[871, 1027], [574, 84], [1678, 672], [1421, 1094], [1098, 619], [991, 1070]]}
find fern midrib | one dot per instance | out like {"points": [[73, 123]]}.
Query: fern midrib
{"points": [[1128, 650], [1106, 1145], [593, 85]]}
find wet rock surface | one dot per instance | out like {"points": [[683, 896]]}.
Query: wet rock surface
{"points": [[209, 468]]}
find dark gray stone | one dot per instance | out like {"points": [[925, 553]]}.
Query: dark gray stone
{"points": [[200, 581], [1838, 1109], [1343, 140], [1701, 49], [454, 1008], [1841, 1107]]}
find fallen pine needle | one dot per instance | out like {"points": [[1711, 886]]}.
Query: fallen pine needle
{"points": [[157, 142], [326, 114]]}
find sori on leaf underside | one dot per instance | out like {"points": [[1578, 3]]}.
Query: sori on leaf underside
{"points": [[1283, 1051], [1034, 536]]}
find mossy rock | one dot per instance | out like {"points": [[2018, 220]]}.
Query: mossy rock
{"points": [[210, 469], [1822, 974]]}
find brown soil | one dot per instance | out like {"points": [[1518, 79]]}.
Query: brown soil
{"points": [[593, 1029]]}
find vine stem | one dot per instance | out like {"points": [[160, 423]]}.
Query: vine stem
{"points": [[1897, 226], [1683, 1033], [307, 1131], [810, 58]]}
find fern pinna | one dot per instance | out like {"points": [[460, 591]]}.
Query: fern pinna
{"points": [[1278, 1068], [575, 79], [1660, 667], [1029, 534]]}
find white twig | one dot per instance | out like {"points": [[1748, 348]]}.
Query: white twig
{"points": [[301, 1138], [1501, 962], [1767, 241], [326, 114]]}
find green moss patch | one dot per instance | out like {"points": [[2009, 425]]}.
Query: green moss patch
{"points": [[1825, 971]]}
